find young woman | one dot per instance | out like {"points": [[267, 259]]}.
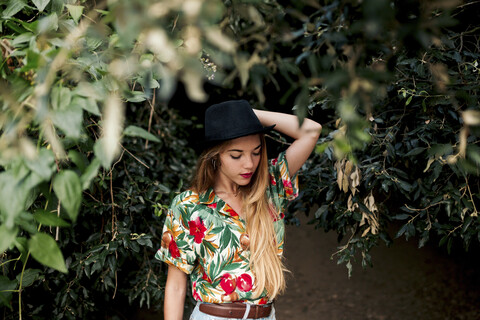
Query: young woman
{"points": [[227, 231]]}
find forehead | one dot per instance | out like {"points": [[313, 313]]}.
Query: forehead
{"points": [[244, 143]]}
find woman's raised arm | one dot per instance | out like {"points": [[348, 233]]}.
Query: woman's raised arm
{"points": [[305, 136]]}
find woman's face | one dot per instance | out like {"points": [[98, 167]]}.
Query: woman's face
{"points": [[240, 159]]}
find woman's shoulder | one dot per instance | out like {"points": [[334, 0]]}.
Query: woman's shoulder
{"points": [[279, 160], [185, 197]]}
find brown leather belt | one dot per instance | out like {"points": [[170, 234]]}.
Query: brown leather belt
{"points": [[236, 310]]}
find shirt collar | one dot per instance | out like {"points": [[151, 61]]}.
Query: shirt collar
{"points": [[208, 197]]}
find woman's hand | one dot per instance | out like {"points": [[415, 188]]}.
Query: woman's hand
{"points": [[305, 136], [175, 291]]}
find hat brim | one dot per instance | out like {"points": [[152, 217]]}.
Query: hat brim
{"points": [[212, 142]]}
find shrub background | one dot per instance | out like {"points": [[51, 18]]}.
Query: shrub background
{"points": [[102, 106]]}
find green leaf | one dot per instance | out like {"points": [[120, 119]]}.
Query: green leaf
{"points": [[13, 7], [134, 131], [28, 26], [40, 4], [70, 121], [33, 59], [50, 219], [60, 98], [136, 96], [46, 251], [75, 11], [7, 236], [68, 188], [6, 292], [402, 216], [474, 154], [405, 185], [408, 100], [79, 159], [43, 164], [48, 23], [21, 244], [12, 197], [87, 104], [29, 277], [23, 38], [90, 173], [323, 209], [93, 90], [414, 151]]}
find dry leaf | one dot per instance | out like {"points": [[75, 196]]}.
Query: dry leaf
{"points": [[471, 117]]}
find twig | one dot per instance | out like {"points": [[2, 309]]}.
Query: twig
{"points": [[57, 233], [134, 157], [475, 213], [454, 229], [114, 234], [413, 209], [152, 108], [116, 279]]}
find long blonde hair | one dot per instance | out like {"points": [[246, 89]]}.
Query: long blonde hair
{"points": [[265, 262]]}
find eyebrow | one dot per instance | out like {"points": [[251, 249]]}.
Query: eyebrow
{"points": [[238, 150]]}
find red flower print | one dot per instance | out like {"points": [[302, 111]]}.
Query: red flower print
{"points": [[195, 294], [173, 249], [206, 277], [274, 161], [272, 180], [263, 301], [197, 229], [287, 184], [244, 282], [228, 283], [212, 205]]}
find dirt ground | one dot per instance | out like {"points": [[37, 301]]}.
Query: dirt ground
{"points": [[404, 283]]}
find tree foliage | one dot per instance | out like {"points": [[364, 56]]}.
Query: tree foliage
{"points": [[93, 147]]}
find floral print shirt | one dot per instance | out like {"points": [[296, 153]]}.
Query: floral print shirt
{"points": [[204, 237]]}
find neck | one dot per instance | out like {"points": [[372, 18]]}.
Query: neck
{"points": [[222, 188]]}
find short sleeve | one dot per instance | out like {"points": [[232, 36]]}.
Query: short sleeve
{"points": [[282, 185], [177, 247]]}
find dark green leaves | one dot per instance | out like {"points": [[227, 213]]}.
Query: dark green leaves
{"points": [[7, 288]]}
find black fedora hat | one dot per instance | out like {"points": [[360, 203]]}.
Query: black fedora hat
{"points": [[229, 120]]}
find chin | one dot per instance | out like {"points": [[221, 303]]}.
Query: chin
{"points": [[244, 183]]}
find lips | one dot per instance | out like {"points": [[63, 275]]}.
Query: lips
{"points": [[247, 175]]}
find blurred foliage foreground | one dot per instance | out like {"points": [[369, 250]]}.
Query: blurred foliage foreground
{"points": [[92, 147]]}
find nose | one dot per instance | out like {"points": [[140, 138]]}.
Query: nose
{"points": [[249, 162]]}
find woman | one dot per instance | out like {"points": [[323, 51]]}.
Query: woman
{"points": [[227, 230]]}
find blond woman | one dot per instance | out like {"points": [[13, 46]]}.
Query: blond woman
{"points": [[226, 232]]}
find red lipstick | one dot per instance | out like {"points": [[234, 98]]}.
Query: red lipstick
{"points": [[247, 175]]}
